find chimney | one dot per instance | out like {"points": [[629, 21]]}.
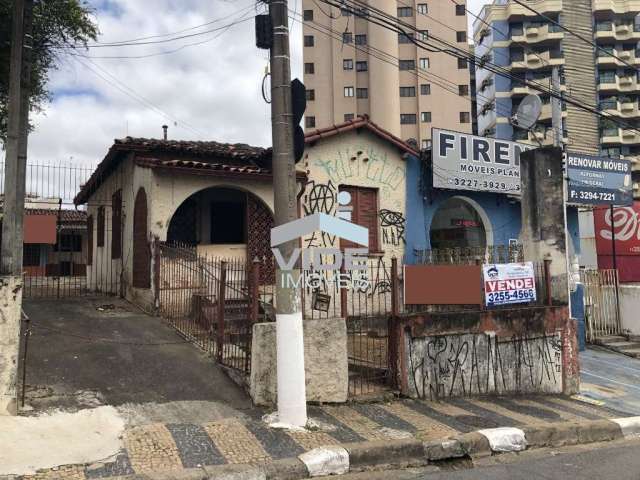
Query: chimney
{"points": [[164, 132]]}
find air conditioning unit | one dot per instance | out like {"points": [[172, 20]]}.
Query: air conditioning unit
{"points": [[625, 54], [532, 32], [625, 81]]}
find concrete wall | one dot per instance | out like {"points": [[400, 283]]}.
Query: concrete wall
{"points": [[325, 357], [10, 317], [630, 307]]}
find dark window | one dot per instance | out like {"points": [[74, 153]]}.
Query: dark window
{"points": [[361, 39], [69, 242], [407, 64], [347, 64], [116, 225], [407, 91], [461, 36], [228, 222], [465, 117], [310, 122], [425, 89], [463, 90], [364, 202], [308, 15], [362, 93], [348, 117], [405, 12], [100, 232], [31, 255], [407, 118], [311, 95], [462, 63], [347, 37], [309, 68], [516, 29], [361, 66], [460, 10], [308, 41], [425, 117], [404, 37], [89, 240], [345, 12]]}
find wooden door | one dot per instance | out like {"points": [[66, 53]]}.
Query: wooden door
{"points": [[141, 250]]}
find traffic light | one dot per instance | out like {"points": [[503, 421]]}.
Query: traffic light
{"points": [[298, 106]]}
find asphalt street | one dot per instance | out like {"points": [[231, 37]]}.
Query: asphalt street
{"points": [[598, 461]]}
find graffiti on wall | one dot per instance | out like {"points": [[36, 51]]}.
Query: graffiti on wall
{"points": [[392, 224], [319, 198], [479, 364]]}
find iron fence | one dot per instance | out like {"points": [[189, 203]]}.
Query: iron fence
{"points": [[601, 300]]}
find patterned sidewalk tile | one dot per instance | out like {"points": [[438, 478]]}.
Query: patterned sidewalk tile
{"points": [[151, 448], [426, 428], [235, 442]]}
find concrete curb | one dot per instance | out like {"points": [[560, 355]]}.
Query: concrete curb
{"points": [[354, 457]]}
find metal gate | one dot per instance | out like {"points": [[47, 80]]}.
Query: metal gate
{"points": [[601, 301]]}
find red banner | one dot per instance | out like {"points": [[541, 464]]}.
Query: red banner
{"points": [[626, 227]]}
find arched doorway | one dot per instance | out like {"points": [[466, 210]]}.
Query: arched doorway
{"points": [[458, 223], [141, 250]]}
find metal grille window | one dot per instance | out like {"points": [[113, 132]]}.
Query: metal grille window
{"points": [[422, 8], [347, 37], [361, 39], [310, 122], [465, 117], [461, 36], [348, 117], [425, 89], [425, 117], [362, 92], [462, 63], [405, 12], [309, 41], [424, 63], [311, 95], [407, 91], [308, 15], [460, 10], [407, 64], [347, 64], [408, 119], [31, 255], [463, 90], [100, 233], [309, 68], [361, 66], [349, 91]]}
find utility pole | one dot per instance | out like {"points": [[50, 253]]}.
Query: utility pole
{"points": [[13, 208], [292, 406]]}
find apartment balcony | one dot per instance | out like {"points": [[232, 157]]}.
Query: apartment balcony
{"points": [[622, 137], [620, 84], [546, 112], [513, 9], [532, 61], [544, 33], [617, 6], [519, 89], [625, 109], [625, 57], [622, 32]]}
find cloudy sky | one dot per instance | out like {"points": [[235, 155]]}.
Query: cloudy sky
{"points": [[205, 86]]}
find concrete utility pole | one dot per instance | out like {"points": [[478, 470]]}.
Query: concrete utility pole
{"points": [[13, 208], [292, 406]]}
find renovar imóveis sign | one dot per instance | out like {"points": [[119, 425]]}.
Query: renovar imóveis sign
{"points": [[599, 180], [508, 283], [467, 162]]}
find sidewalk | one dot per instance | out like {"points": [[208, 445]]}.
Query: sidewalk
{"points": [[172, 447]]}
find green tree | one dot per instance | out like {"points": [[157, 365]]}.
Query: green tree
{"points": [[56, 24]]}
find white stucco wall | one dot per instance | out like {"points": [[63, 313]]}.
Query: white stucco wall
{"points": [[630, 307]]}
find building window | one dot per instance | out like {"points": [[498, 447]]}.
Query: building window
{"points": [[347, 64], [345, 12], [462, 63], [460, 10], [407, 91], [31, 255], [89, 240], [424, 63], [423, 35], [348, 117], [361, 39], [425, 89], [362, 92], [465, 117], [461, 36], [407, 64], [310, 122], [463, 90], [309, 68], [116, 225], [228, 222], [405, 12], [349, 91], [69, 242], [426, 144], [516, 30], [408, 119], [607, 76], [425, 117], [364, 202], [311, 95], [361, 66], [100, 232], [423, 8], [404, 37], [347, 37], [308, 41], [308, 15]]}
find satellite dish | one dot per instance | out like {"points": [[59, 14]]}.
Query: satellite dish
{"points": [[528, 112]]}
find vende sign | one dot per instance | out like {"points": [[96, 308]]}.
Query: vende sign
{"points": [[509, 283], [626, 228]]}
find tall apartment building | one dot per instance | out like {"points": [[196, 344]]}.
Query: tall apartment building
{"points": [[529, 46], [355, 67]]}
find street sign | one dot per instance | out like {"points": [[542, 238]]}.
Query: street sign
{"points": [[509, 283], [467, 162], [598, 180]]}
